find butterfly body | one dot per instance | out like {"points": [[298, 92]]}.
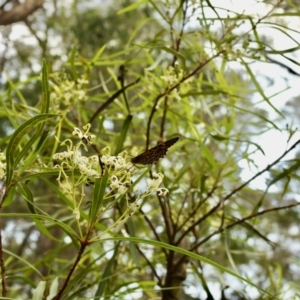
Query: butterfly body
{"points": [[154, 154]]}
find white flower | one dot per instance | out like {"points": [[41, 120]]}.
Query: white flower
{"points": [[162, 192], [82, 81], [172, 75], [76, 212], [114, 182], [122, 189], [2, 170], [153, 184], [66, 155], [85, 137]]}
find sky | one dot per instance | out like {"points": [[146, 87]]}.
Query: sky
{"points": [[285, 85]]}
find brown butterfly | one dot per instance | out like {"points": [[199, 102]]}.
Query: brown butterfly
{"points": [[154, 154]]}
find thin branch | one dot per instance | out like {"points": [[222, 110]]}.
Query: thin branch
{"points": [[183, 202], [166, 212], [159, 281], [176, 47], [193, 213], [216, 207], [239, 221], [163, 120], [167, 90], [179, 38], [83, 245], [111, 99], [152, 228], [220, 230], [262, 171], [42, 43]]}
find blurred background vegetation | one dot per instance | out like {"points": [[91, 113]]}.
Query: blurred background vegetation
{"points": [[215, 76]]}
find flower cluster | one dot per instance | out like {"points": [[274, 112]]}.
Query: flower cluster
{"points": [[172, 75], [119, 169], [66, 92]]}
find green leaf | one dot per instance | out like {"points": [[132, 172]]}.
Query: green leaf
{"points": [[132, 7], [187, 164], [26, 280], [57, 190], [123, 134], [15, 140], [39, 291], [72, 62], [189, 254], [175, 53], [282, 175], [24, 261], [8, 198], [25, 192], [98, 54], [32, 155], [98, 195], [45, 88], [218, 137], [259, 88], [82, 273], [53, 289], [132, 247], [43, 137], [106, 274], [70, 232]]}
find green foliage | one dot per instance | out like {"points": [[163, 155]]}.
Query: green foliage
{"points": [[93, 224]]}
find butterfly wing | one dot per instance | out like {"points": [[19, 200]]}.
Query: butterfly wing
{"points": [[154, 154]]}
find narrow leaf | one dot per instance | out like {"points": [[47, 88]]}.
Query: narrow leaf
{"points": [[132, 7], [53, 289], [72, 62], [39, 291], [107, 273], [123, 134], [45, 88], [15, 141], [98, 195]]}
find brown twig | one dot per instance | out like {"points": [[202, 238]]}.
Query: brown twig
{"points": [[152, 228], [262, 171], [166, 212], [193, 213], [83, 245], [176, 47], [140, 251], [111, 99], [183, 202], [19, 12], [183, 23], [163, 120], [239, 221], [159, 281]]}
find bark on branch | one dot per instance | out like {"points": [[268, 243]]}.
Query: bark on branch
{"points": [[19, 12]]}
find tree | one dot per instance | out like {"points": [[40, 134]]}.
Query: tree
{"points": [[121, 226]]}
